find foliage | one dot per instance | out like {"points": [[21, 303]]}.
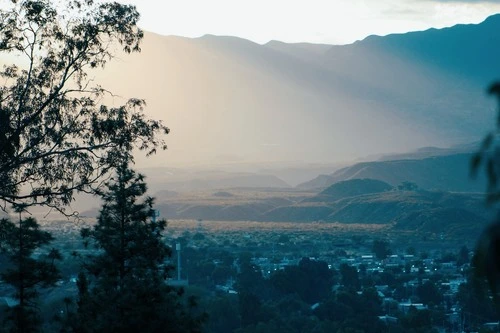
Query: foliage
{"points": [[353, 311], [56, 133], [417, 321], [463, 256], [311, 280], [349, 277], [487, 254], [223, 314], [429, 293], [475, 302], [489, 154], [381, 249], [123, 287], [250, 279], [25, 273], [407, 186]]}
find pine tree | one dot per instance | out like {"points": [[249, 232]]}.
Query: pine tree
{"points": [[123, 288], [25, 273]]}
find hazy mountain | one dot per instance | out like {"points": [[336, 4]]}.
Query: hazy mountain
{"points": [[295, 175], [185, 179], [350, 188], [173, 183], [426, 152], [448, 49], [447, 173], [313, 53], [227, 99], [230, 181]]}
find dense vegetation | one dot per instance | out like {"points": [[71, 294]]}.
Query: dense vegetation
{"points": [[251, 288], [57, 137]]}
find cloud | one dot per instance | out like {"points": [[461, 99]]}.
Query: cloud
{"points": [[442, 13], [466, 1], [403, 10]]}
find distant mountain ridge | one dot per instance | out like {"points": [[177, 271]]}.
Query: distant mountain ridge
{"points": [[447, 48], [426, 152], [445, 172], [306, 102], [183, 180]]}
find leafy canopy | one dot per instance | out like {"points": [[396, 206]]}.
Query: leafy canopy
{"points": [[56, 134], [486, 259], [25, 273]]}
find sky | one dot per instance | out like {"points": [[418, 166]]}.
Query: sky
{"points": [[315, 21]]}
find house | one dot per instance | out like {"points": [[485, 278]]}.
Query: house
{"points": [[494, 326], [388, 319]]}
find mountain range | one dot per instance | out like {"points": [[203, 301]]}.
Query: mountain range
{"points": [[357, 201], [229, 100], [233, 102], [447, 172]]}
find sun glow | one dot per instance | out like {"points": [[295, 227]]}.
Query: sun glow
{"points": [[316, 21]]}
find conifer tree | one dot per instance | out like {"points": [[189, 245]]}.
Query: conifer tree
{"points": [[123, 287], [25, 273]]}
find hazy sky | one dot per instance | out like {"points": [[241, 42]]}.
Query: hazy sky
{"points": [[317, 21]]}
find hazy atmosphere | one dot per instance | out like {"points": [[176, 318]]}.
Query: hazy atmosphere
{"points": [[249, 166], [316, 21], [229, 100]]}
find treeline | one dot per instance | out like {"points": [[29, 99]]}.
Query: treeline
{"points": [[310, 297], [122, 286], [59, 138]]}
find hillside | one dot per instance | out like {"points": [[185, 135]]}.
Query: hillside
{"points": [[446, 173], [420, 211], [224, 98], [446, 49], [351, 188], [186, 180], [400, 211]]}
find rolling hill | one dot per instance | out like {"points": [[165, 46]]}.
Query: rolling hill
{"points": [[366, 202], [444, 172], [229, 100], [350, 188], [434, 212]]}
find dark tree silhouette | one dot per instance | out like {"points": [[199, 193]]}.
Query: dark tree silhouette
{"points": [[123, 288], [56, 135], [407, 186], [486, 259], [463, 256], [381, 249], [429, 293], [25, 273], [349, 277], [311, 280]]}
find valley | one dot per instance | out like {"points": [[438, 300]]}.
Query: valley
{"points": [[430, 196], [216, 184]]}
